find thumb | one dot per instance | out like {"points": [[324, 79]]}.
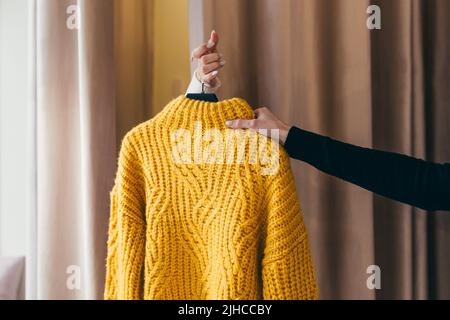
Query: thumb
{"points": [[210, 46], [213, 40]]}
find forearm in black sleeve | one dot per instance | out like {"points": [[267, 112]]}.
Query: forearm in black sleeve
{"points": [[416, 182]]}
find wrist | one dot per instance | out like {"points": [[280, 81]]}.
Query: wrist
{"points": [[209, 87], [284, 132]]}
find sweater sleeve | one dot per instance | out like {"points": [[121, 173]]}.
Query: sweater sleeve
{"points": [[287, 268], [126, 235]]}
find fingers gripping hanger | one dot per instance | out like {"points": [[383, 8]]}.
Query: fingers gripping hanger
{"points": [[207, 97]]}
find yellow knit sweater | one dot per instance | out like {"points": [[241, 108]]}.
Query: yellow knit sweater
{"points": [[203, 229]]}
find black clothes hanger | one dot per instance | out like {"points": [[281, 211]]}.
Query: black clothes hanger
{"points": [[207, 97]]}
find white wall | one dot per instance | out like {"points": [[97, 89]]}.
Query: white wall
{"points": [[13, 120]]}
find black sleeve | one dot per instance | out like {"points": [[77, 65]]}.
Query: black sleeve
{"points": [[422, 184]]}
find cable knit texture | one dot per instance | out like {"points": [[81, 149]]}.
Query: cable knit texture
{"points": [[203, 231]]}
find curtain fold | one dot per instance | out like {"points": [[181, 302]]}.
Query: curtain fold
{"points": [[316, 65], [81, 117], [74, 71], [437, 99]]}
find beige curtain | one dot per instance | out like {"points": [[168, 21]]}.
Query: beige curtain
{"points": [[313, 62], [92, 84], [316, 65]]}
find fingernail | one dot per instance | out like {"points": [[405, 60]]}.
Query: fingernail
{"points": [[222, 62], [229, 123], [210, 44], [214, 73], [220, 55]]}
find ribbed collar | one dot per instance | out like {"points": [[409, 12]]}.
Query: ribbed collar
{"points": [[182, 112]]}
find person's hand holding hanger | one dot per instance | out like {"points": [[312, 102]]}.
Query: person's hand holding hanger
{"points": [[209, 62]]}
